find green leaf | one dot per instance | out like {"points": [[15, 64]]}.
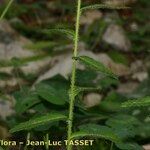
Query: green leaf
{"points": [[40, 45], [103, 6], [78, 90], [33, 123], [94, 130], [86, 78], [145, 101], [96, 65], [107, 82], [144, 129], [119, 57], [68, 32], [51, 94], [25, 99], [27, 102], [124, 120], [82, 89], [112, 102], [123, 125], [129, 146]]}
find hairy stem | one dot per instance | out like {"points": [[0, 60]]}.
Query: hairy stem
{"points": [[73, 77], [6, 9]]}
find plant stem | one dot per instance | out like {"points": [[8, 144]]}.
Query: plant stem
{"points": [[73, 77], [111, 146], [28, 138], [6, 9], [46, 140]]}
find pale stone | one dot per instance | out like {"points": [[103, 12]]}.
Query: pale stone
{"points": [[90, 16], [92, 99], [115, 36]]}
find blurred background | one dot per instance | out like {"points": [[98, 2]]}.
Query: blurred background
{"points": [[118, 38]]}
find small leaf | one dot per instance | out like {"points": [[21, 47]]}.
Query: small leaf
{"points": [[137, 103], [95, 130], [51, 94], [103, 6], [96, 65], [82, 89], [69, 33], [78, 90], [33, 123]]}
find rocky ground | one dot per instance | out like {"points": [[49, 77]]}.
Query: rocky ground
{"points": [[20, 65]]}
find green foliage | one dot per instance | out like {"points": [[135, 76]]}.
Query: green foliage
{"points": [[4, 76], [94, 130], [41, 45], [50, 94], [17, 62], [145, 101], [143, 89], [106, 82], [120, 126], [93, 34], [112, 102], [96, 65], [67, 32], [126, 120], [85, 78], [25, 100], [103, 6], [1, 148], [6, 9], [19, 9], [87, 89], [118, 57], [124, 125], [129, 146], [38, 122], [78, 90]]}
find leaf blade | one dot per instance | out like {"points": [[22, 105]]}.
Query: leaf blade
{"points": [[38, 122], [50, 94], [68, 32], [103, 6], [141, 102], [96, 65], [25, 99], [95, 130]]}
